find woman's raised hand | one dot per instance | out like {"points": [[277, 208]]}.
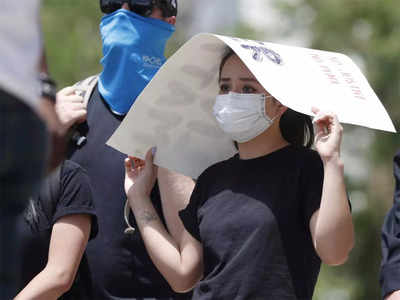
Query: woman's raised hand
{"points": [[140, 175], [328, 134]]}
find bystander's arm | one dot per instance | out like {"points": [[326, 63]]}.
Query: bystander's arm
{"points": [[69, 238], [48, 113]]}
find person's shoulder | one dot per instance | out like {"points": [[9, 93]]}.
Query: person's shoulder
{"points": [[86, 87], [307, 153], [306, 156], [88, 81], [70, 168], [218, 167]]}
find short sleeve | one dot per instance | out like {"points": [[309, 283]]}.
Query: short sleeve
{"points": [[390, 241], [76, 195], [189, 215], [312, 179]]}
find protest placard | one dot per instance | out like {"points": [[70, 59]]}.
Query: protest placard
{"points": [[174, 112]]}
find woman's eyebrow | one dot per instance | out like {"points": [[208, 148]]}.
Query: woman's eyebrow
{"points": [[242, 79], [248, 79]]}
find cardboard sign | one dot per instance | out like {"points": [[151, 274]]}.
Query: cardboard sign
{"points": [[174, 112]]}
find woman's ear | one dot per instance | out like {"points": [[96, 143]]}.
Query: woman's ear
{"points": [[282, 108], [279, 107]]}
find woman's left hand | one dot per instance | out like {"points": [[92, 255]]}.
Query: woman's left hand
{"points": [[328, 134]]}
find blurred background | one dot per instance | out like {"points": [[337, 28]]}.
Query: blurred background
{"points": [[366, 30]]}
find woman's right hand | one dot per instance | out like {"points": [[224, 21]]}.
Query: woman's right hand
{"points": [[140, 176]]}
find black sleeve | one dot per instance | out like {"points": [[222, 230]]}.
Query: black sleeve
{"points": [[390, 240], [189, 215], [312, 179], [76, 195]]}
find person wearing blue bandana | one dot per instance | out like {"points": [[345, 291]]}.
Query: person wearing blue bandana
{"points": [[134, 34], [130, 58]]}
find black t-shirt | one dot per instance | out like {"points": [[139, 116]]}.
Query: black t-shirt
{"points": [[252, 218], [119, 263], [75, 197]]}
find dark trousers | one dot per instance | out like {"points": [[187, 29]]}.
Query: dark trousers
{"points": [[23, 155]]}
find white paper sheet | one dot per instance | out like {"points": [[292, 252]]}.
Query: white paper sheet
{"points": [[174, 112]]}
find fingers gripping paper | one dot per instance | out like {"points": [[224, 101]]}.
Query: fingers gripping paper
{"points": [[174, 111]]}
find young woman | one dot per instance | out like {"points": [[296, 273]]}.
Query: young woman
{"points": [[259, 224], [55, 230]]}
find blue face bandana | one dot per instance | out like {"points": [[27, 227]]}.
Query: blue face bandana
{"points": [[133, 51]]}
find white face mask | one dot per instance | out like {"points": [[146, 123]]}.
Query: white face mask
{"points": [[242, 116]]}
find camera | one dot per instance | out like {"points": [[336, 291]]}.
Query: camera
{"points": [[141, 7]]}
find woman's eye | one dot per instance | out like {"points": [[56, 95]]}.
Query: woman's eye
{"points": [[224, 88], [248, 90]]}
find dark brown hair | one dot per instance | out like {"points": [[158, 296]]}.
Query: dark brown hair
{"points": [[296, 128]]}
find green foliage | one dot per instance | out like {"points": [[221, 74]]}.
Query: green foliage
{"points": [[72, 41]]}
